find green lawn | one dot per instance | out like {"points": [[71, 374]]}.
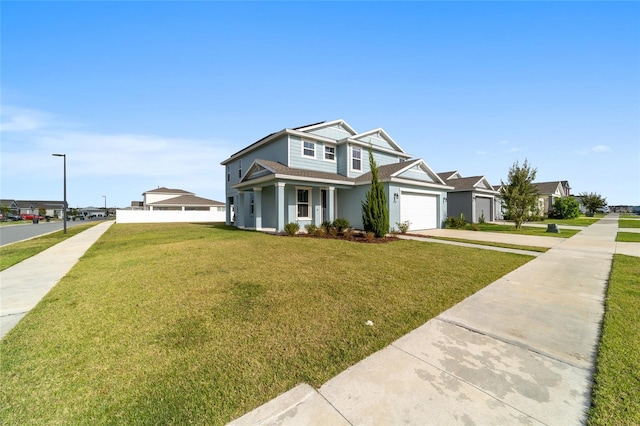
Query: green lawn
{"points": [[15, 253], [628, 237], [492, 244], [628, 223], [177, 324], [616, 391], [579, 221], [524, 230]]}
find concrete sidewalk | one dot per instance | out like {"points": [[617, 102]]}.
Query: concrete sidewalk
{"points": [[520, 351], [23, 285]]}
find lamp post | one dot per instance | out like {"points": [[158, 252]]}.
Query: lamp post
{"points": [[105, 207], [64, 208]]}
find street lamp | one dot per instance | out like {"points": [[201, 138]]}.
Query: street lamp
{"points": [[64, 208], [105, 207]]}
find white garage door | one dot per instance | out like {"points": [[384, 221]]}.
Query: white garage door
{"points": [[420, 209]]}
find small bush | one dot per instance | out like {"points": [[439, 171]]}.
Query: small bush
{"points": [[326, 225], [474, 226], [482, 219], [403, 226], [310, 228], [291, 228], [341, 224], [333, 231], [370, 235], [456, 222], [348, 233], [319, 231]]}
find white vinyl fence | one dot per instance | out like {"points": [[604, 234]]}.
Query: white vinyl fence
{"points": [[168, 216]]}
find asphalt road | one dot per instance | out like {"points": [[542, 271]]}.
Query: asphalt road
{"points": [[23, 230]]}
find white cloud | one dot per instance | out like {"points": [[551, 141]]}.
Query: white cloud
{"points": [[600, 148], [15, 119], [511, 150]]}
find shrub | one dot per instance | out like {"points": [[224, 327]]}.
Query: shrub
{"points": [[370, 235], [456, 222], [333, 231], [326, 225], [348, 233], [565, 208], [403, 226], [311, 228], [474, 226], [319, 231], [482, 219], [292, 228], [341, 224]]}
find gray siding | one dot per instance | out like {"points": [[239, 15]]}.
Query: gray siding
{"points": [[336, 132], [417, 173], [460, 202], [376, 141], [298, 161]]}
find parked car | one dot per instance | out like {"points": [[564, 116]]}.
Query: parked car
{"points": [[14, 217], [32, 216]]}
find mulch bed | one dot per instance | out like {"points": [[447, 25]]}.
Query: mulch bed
{"points": [[356, 237]]}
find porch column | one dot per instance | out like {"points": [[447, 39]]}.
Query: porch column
{"points": [[240, 210], [280, 206], [257, 207], [330, 203]]}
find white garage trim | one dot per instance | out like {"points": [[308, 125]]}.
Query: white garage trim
{"points": [[419, 209]]}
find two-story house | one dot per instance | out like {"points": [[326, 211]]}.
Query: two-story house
{"points": [[321, 172]]}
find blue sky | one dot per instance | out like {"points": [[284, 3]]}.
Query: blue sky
{"points": [[147, 94]]}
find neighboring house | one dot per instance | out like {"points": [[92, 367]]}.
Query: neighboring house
{"points": [[51, 208], [549, 192], [10, 205], [178, 199], [472, 196], [320, 172]]}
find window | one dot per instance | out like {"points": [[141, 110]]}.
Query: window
{"points": [[330, 153], [309, 149], [239, 168], [356, 158], [228, 173], [251, 205], [302, 204]]}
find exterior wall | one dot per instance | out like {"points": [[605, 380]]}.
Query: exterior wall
{"points": [[168, 216], [376, 141], [318, 163], [417, 173], [336, 132], [342, 159], [460, 202], [275, 151], [350, 204], [150, 198]]}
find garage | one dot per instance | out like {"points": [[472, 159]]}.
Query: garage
{"points": [[420, 209], [483, 206]]}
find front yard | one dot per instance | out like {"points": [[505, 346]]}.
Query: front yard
{"points": [[200, 324]]}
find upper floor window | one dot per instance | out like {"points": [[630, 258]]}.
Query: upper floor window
{"points": [[239, 168], [228, 173], [330, 153], [356, 158], [308, 149]]}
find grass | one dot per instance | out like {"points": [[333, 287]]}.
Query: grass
{"points": [[628, 237], [629, 216], [184, 323], [616, 391], [493, 244], [524, 230], [16, 253], [579, 221], [629, 223]]}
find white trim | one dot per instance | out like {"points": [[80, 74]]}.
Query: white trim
{"points": [[341, 122], [309, 202]]}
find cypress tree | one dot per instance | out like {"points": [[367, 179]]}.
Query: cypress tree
{"points": [[375, 213]]}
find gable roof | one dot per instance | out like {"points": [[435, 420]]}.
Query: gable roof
{"points": [[380, 133], [472, 183], [449, 175], [282, 171], [187, 200], [395, 170], [549, 187], [323, 124], [163, 190]]}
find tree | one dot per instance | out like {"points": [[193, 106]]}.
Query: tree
{"points": [[375, 213], [592, 201], [519, 195], [565, 208]]}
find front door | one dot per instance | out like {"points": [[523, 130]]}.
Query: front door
{"points": [[324, 203]]}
